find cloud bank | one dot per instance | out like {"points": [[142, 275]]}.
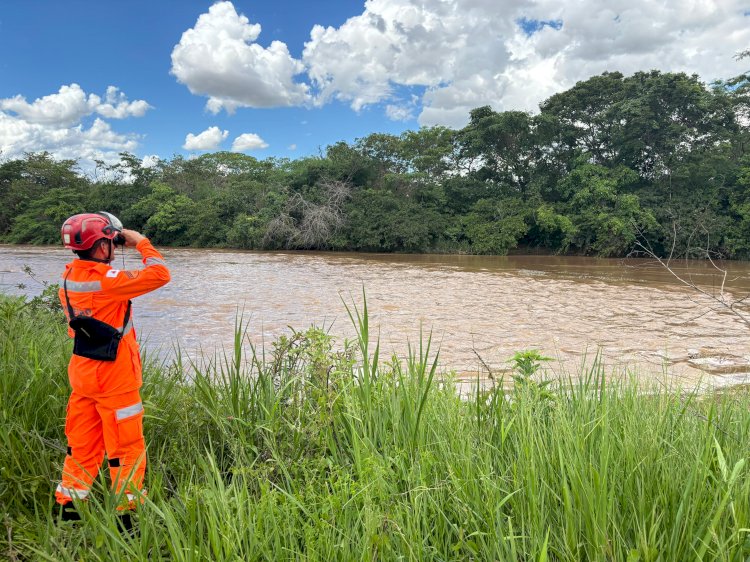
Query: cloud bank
{"points": [[55, 123], [456, 55]]}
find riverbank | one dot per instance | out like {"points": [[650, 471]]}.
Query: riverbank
{"points": [[519, 251], [317, 454]]}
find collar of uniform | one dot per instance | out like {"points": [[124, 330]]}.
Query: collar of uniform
{"points": [[88, 265]]}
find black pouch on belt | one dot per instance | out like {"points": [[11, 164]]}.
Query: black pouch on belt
{"points": [[94, 339]]}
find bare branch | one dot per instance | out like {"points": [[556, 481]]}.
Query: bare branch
{"points": [[280, 232], [321, 221], [306, 224], [721, 300]]}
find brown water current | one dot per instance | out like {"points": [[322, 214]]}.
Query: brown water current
{"points": [[480, 310]]}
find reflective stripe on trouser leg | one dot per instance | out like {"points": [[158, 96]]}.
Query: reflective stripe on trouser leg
{"points": [[83, 428], [128, 411], [71, 493]]}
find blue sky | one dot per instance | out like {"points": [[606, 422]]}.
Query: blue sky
{"points": [[128, 44], [197, 68]]}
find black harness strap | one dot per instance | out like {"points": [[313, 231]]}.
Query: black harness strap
{"points": [[127, 317], [71, 313]]}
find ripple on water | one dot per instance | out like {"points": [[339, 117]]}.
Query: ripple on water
{"points": [[479, 309]]}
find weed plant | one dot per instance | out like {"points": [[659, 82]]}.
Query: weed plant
{"points": [[308, 453]]}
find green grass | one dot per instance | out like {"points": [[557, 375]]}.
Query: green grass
{"points": [[309, 453]]}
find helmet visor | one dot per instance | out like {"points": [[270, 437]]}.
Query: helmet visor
{"points": [[114, 222]]}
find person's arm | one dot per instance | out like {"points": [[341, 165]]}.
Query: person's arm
{"points": [[127, 284]]}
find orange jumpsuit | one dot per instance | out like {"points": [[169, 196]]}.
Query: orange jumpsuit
{"points": [[105, 412]]}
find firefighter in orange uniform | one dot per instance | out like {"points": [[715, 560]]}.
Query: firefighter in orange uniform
{"points": [[105, 413]]}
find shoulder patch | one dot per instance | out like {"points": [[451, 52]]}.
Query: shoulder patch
{"points": [[112, 273]]}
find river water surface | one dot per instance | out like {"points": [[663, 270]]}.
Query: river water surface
{"points": [[480, 310]]}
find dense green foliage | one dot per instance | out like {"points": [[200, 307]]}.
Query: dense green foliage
{"points": [[655, 157], [318, 454]]}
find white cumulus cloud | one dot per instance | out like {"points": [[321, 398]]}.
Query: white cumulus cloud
{"points": [[70, 104], [58, 124], [400, 42], [116, 105], [210, 139], [219, 58], [248, 141]]}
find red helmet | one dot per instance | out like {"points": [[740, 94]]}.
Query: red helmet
{"points": [[80, 232]]}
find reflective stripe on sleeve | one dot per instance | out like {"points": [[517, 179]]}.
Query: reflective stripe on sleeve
{"points": [[72, 492], [155, 261], [124, 413], [84, 286]]}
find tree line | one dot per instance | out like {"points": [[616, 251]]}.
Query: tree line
{"points": [[660, 158]]}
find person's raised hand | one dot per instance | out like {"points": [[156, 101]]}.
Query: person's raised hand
{"points": [[132, 237]]}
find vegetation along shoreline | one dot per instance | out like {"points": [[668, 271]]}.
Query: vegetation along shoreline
{"points": [[658, 159]]}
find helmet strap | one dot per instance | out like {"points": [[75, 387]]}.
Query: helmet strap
{"points": [[111, 252]]}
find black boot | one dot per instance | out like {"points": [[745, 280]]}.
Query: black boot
{"points": [[68, 512], [125, 524]]}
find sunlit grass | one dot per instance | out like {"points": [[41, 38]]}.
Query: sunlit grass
{"points": [[324, 452]]}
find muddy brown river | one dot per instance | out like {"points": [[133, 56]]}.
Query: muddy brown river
{"points": [[480, 310]]}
